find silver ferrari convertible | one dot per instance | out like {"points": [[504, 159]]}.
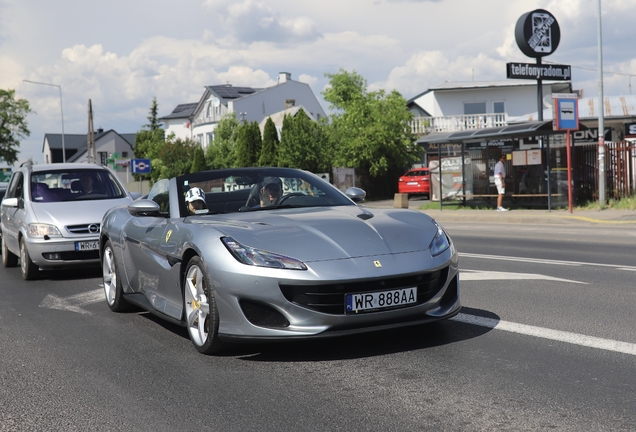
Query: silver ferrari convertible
{"points": [[260, 254]]}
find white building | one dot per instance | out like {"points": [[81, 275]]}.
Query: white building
{"points": [[454, 105], [198, 121]]}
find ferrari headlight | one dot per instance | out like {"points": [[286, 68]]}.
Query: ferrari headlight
{"points": [[41, 230], [256, 257], [440, 243]]}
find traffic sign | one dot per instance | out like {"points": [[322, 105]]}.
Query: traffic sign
{"points": [[5, 174], [140, 166], [566, 112]]}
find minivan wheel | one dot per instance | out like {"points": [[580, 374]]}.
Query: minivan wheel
{"points": [[8, 259], [29, 270]]}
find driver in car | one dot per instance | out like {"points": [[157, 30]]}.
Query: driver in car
{"points": [[88, 183], [271, 191], [195, 200]]}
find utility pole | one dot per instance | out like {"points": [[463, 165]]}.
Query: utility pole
{"points": [[601, 116], [91, 157]]}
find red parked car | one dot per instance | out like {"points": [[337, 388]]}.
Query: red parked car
{"points": [[416, 181]]}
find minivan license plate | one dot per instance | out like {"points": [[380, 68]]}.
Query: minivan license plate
{"points": [[86, 245], [375, 301]]}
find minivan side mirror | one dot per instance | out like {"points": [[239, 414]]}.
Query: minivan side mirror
{"points": [[10, 202]]}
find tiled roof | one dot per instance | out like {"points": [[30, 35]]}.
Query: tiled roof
{"points": [[71, 141]]}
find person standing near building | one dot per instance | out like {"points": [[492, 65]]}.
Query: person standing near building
{"points": [[500, 175]]}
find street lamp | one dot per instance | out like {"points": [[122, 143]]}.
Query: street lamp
{"points": [[61, 110]]}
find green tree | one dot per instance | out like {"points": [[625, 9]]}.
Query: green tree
{"points": [[269, 150], [13, 124], [248, 145], [149, 141], [301, 143], [174, 159], [256, 143], [152, 118], [220, 153], [198, 161], [370, 131]]}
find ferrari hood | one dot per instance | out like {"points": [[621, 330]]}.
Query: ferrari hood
{"points": [[318, 234]]}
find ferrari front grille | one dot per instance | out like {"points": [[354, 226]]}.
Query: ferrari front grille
{"points": [[330, 298]]}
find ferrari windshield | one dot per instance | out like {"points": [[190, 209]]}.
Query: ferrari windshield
{"points": [[254, 189]]}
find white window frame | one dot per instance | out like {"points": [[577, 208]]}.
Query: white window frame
{"points": [[499, 102], [475, 103]]}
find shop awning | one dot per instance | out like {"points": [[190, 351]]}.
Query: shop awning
{"points": [[518, 130]]}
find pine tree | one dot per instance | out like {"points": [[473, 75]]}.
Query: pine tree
{"points": [[152, 118], [269, 150], [198, 161], [302, 144], [221, 152]]}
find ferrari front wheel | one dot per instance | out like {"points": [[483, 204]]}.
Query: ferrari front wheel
{"points": [[201, 314], [113, 289]]}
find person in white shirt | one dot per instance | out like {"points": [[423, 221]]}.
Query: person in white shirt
{"points": [[500, 175]]}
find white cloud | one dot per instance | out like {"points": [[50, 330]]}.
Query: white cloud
{"points": [[172, 50], [248, 21]]}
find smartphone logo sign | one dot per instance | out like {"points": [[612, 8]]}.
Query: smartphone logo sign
{"points": [[541, 40], [537, 33]]}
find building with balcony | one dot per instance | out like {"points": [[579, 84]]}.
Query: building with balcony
{"points": [[455, 106], [465, 127]]}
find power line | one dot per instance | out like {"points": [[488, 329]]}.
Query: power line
{"points": [[605, 72]]}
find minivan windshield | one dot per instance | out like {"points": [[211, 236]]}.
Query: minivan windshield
{"points": [[74, 185]]}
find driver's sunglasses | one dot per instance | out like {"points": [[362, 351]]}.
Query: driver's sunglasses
{"points": [[273, 188]]}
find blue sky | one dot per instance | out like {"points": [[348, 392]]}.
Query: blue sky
{"points": [[121, 54]]}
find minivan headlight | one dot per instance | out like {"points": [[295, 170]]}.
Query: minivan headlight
{"points": [[41, 230]]}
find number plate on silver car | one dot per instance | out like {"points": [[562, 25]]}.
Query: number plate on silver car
{"points": [[375, 301], [87, 245]]}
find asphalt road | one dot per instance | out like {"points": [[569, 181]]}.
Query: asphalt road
{"points": [[545, 341]]}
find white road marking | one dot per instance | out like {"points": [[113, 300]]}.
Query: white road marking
{"points": [[557, 335], [73, 303], [478, 275], [545, 261]]}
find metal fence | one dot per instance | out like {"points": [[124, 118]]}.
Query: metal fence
{"points": [[620, 164]]}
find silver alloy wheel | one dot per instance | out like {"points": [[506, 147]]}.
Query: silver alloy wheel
{"points": [[23, 258], [110, 276], [29, 270], [197, 308], [8, 258]]}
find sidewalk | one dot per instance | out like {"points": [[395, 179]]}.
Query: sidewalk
{"points": [[553, 217]]}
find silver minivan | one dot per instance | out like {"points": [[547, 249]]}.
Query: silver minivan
{"points": [[51, 215]]}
